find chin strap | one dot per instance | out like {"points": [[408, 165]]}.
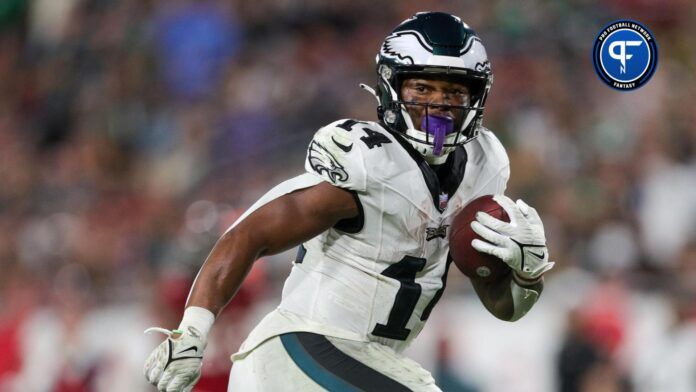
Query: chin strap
{"points": [[435, 159]]}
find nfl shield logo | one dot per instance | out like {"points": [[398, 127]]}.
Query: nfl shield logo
{"points": [[443, 201]]}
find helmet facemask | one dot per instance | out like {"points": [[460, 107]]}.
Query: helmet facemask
{"points": [[437, 133]]}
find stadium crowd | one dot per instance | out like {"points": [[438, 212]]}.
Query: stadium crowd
{"points": [[132, 133]]}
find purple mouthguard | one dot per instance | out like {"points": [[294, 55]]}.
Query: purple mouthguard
{"points": [[439, 127]]}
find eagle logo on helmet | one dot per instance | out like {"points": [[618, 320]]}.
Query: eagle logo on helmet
{"points": [[402, 42], [397, 45], [484, 66], [322, 161]]}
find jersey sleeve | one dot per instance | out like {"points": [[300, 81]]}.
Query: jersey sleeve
{"points": [[334, 156]]}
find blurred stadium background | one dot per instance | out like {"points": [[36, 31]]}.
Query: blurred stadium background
{"points": [[133, 132]]}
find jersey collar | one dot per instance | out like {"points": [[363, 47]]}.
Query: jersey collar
{"points": [[441, 179]]}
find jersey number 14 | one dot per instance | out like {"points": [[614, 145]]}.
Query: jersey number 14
{"points": [[407, 297]]}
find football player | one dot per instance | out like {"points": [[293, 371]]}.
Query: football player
{"points": [[370, 221]]}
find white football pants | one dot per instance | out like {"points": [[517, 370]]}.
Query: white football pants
{"points": [[309, 362]]}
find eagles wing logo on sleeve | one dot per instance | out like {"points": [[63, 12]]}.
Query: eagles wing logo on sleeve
{"points": [[322, 160]]}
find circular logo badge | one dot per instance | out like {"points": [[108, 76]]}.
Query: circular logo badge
{"points": [[625, 55], [483, 271]]}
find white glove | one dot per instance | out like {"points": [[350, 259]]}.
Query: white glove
{"points": [[175, 365], [521, 244]]}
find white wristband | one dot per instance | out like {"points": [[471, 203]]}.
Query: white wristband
{"points": [[200, 318], [523, 298], [526, 282]]}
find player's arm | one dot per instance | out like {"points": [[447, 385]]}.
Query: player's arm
{"points": [[281, 224], [498, 296], [521, 244]]}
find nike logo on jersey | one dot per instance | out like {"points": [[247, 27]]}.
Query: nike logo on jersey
{"points": [[342, 146]]}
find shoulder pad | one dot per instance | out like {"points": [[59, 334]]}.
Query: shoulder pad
{"points": [[492, 149], [333, 155], [492, 160]]}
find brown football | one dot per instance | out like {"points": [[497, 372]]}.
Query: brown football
{"points": [[470, 261]]}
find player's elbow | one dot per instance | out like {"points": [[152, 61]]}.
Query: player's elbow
{"points": [[236, 250]]}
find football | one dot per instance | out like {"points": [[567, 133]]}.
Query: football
{"points": [[470, 261]]}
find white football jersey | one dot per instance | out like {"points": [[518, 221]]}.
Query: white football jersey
{"points": [[377, 277]]}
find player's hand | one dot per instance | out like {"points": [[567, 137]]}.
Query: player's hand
{"points": [[175, 365], [521, 244]]}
